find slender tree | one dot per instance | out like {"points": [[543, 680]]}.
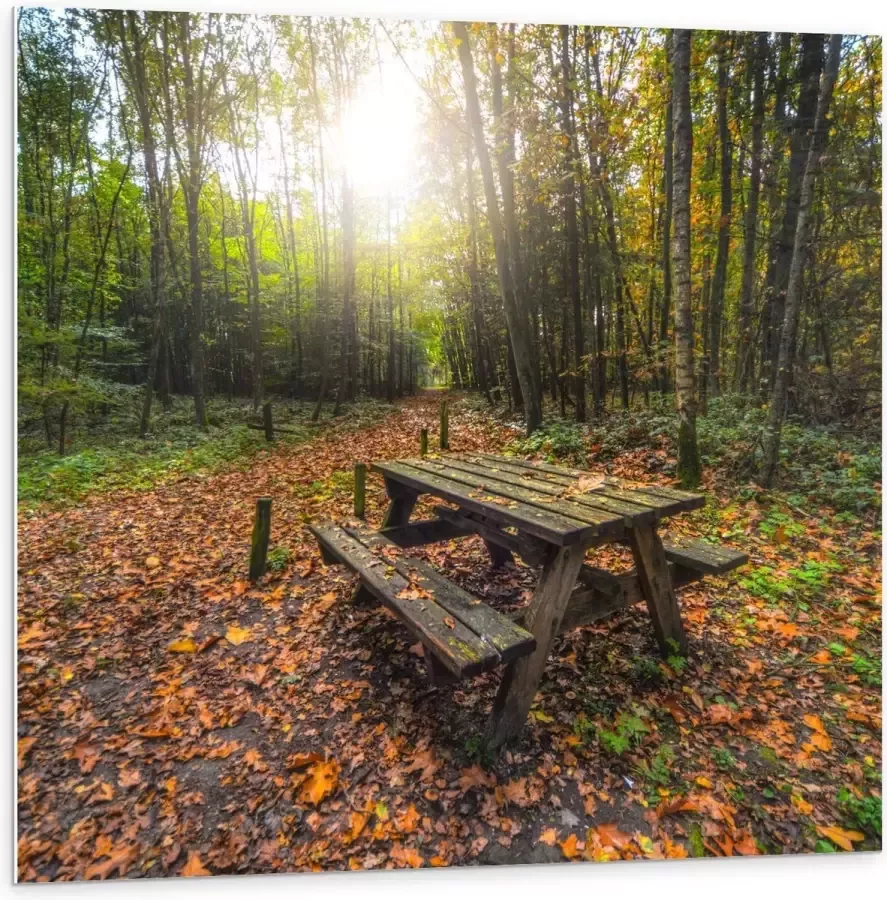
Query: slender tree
{"points": [[689, 465]]}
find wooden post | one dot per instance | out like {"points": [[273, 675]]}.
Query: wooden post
{"points": [[261, 535], [269, 425], [444, 426], [423, 442], [521, 678], [360, 490]]}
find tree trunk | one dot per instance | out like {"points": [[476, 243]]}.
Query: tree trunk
{"points": [[719, 282], [689, 467], [515, 316], [758, 54], [773, 435]]}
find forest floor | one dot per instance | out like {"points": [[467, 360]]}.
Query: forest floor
{"points": [[174, 720]]}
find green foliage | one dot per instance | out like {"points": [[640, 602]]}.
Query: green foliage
{"points": [[864, 814], [723, 758], [278, 558], [803, 584], [560, 441], [628, 731]]}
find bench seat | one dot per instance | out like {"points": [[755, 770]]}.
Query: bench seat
{"points": [[704, 558], [460, 631]]}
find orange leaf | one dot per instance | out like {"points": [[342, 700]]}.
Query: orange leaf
{"points": [[408, 821], [821, 742], [844, 839], [611, 836], [815, 723], [194, 867], [801, 805], [185, 645], [568, 846], [549, 836], [120, 861], [321, 782]]}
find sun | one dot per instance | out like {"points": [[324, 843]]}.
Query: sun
{"points": [[378, 140]]}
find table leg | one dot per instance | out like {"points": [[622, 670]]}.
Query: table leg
{"points": [[499, 556], [521, 679], [657, 589], [401, 507]]}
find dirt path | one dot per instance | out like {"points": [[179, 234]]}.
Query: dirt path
{"points": [[174, 720]]}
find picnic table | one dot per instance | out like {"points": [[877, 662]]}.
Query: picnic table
{"points": [[551, 517]]}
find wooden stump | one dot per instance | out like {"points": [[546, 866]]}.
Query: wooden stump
{"points": [[360, 488], [444, 426], [423, 442], [261, 536], [267, 422]]}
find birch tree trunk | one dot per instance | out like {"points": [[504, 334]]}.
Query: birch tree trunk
{"points": [[689, 467]]}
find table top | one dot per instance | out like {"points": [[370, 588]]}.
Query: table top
{"points": [[559, 505]]}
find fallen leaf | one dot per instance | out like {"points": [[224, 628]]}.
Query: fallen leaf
{"points": [[843, 838], [194, 867], [549, 836], [322, 780], [569, 846], [183, 645], [237, 635]]}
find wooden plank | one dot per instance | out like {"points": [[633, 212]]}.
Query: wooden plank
{"points": [[425, 531], [491, 626], [532, 550], [710, 559], [687, 500], [657, 589], [659, 505], [538, 466], [603, 505], [458, 648], [602, 595], [549, 526], [532, 476], [521, 679], [604, 523]]}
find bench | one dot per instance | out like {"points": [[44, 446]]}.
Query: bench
{"points": [[695, 559], [460, 634], [600, 593]]}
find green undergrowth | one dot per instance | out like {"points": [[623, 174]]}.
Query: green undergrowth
{"points": [[110, 459], [819, 465]]}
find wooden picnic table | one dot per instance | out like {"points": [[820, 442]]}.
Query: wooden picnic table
{"points": [[550, 516]]}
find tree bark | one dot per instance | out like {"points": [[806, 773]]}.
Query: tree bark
{"points": [[773, 434], [514, 314], [689, 467]]}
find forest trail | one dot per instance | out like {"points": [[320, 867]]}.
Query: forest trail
{"points": [[174, 719]]}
